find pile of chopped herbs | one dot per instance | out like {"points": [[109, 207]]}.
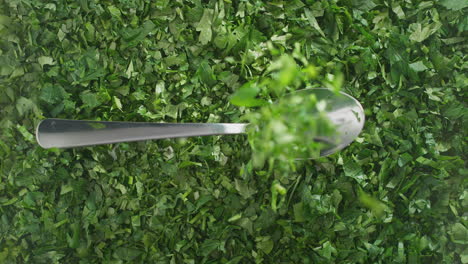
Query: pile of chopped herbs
{"points": [[398, 194]]}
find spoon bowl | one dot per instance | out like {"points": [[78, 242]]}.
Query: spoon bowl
{"points": [[344, 112]]}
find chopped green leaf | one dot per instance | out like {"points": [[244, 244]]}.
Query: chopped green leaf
{"points": [[204, 27]]}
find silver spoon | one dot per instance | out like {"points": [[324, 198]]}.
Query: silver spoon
{"points": [[343, 110]]}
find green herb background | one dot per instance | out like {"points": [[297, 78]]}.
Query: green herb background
{"points": [[396, 195]]}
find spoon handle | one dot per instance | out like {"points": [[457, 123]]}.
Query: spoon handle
{"points": [[63, 133]]}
